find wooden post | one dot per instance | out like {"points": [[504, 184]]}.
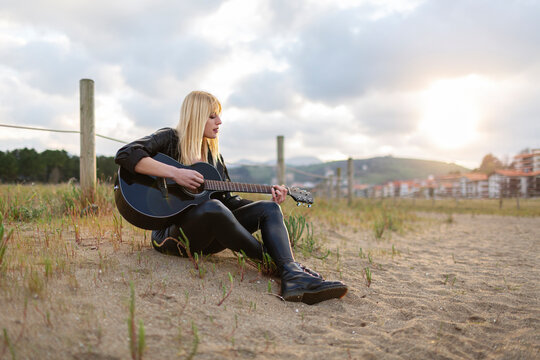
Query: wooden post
{"points": [[500, 194], [330, 183], [280, 160], [350, 174], [87, 165], [338, 183]]}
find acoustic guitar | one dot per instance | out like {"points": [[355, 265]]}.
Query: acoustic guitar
{"points": [[154, 203]]}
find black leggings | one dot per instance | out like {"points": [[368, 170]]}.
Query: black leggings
{"points": [[211, 227]]}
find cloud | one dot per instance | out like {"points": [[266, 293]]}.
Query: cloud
{"points": [[152, 114], [47, 66], [104, 25], [149, 40], [511, 113], [147, 62], [377, 118], [338, 78], [21, 104], [266, 91], [343, 54]]}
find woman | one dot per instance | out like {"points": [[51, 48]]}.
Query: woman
{"points": [[228, 221]]}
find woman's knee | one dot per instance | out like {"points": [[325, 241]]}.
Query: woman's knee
{"points": [[214, 209], [271, 208], [211, 206]]}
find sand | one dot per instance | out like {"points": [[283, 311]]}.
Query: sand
{"points": [[467, 289]]}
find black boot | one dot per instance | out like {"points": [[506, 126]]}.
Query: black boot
{"points": [[297, 285]]}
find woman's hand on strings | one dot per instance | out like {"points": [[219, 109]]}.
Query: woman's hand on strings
{"points": [[279, 193], [189, 179]]}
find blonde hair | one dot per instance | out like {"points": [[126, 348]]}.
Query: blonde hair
{"points": [[196, 109]]}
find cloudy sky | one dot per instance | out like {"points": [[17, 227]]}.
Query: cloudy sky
{"points": [[431, 79]]}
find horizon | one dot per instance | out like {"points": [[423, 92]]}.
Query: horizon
{"points": [[300, 160], [421, 79]]}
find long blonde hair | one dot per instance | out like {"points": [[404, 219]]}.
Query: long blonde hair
{"points": [[196, 109]]}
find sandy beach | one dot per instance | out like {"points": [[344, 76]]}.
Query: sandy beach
{"points": [[465, 287]]}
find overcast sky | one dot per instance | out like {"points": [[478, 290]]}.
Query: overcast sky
{"points": [[443, 80]]}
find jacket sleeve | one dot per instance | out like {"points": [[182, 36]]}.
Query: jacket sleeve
{"points": [[161, 141], [232, 202]]}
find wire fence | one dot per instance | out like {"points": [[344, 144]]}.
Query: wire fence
{"points": [[59, 131], [305, 173], [125, 142]]}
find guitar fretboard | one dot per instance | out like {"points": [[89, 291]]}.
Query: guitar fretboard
{"points": [[238, 187]]}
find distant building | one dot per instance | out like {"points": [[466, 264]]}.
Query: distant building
{"points": [[526, 162], [474, 185], [523, 181], [509, 182], [377, 191], [361, 190], [448, 185], [536, 159]]}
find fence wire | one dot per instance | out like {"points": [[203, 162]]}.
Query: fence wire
{"points": [[59, 131], [125, 142]]}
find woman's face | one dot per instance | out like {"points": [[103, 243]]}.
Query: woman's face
{"points": [[211, 128]]}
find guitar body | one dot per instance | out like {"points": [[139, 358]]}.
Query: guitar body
{"points": [[155, 203]]}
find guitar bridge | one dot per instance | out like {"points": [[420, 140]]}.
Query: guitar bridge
{"points": [[162, 186]]}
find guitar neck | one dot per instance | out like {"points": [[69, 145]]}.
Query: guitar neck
{"points": [[236, 187]]}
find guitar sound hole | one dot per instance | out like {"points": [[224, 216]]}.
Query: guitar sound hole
{"points": [[195, 192]]}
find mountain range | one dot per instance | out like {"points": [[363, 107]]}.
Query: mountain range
{"points": [[375, 170]]}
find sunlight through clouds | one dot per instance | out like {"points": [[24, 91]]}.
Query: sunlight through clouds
{"points": [[451, 111], [223, 76]]}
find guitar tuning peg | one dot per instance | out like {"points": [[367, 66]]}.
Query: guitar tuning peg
{"points": [[309, 205], [297, 204]]}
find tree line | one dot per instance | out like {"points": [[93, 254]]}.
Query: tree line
{"points": [[50, 166]]}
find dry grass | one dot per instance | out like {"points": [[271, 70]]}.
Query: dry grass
{"points": [[55, 249]]}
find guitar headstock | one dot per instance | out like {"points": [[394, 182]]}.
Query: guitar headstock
{"points": [[300, 195]]}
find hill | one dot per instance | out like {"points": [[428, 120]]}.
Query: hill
{"points": [[368, 171]]}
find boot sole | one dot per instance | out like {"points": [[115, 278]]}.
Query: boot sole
{"points": [[315, 296]]}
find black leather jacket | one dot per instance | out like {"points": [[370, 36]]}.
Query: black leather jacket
{"points": [[166, 141]]}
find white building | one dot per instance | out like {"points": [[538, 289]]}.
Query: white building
{"points": [[514, 183], [474, 185]]}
